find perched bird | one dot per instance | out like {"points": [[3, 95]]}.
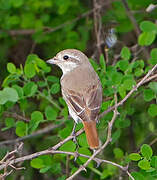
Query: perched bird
{"points": [[81, 89]]}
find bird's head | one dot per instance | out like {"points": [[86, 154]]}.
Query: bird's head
{"points": [[69, 59]]}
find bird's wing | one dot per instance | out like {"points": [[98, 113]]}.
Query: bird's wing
{"points": [[86, 105]]}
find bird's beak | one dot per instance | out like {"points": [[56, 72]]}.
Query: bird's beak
{"points": [[54, 60]]}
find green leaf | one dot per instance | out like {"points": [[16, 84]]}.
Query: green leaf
{"points": [[9, 122], [65, 132], [115, 136], [148, 95], [152, 110], [138, 176], [153, 86], [125, 53], [138, 72], [17, 3], [45, 169], [134, 156], [62, 102], [144, 164], [146, 38], [11, 68], [50, 113], [8, 94], [53, 79], [84, 150], [55, 88], [30, 89], [123, 65], [3, 98], [146, 151], [82, 140], [129, 83], [148, 26], [153, 54], [37, 115], [68, 146], [154, 162], [116, 78], [42, 83], [29, 70], [118, 153], [37, 163], [19, 90], [40, 63], [94, 64], [122, 90], [31, 59], [11, 94], [36, 118], [21, 128], [102, 63]]}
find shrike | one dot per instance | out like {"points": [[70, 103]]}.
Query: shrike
{"points": [[81, 89]]}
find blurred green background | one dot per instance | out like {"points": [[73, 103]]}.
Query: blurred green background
{"points": [[30, 97]]}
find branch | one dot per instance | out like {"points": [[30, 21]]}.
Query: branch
{"points": [[76, 155], [131, 17], [16, 116], [133, 20], [144, 80], [37, 133], [34, 155], [50, 30], [108, 140]]}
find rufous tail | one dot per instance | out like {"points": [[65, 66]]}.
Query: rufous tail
{"points": [[91, 134]]}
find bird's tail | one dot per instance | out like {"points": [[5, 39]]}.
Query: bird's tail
{"points": [[91, 134]]}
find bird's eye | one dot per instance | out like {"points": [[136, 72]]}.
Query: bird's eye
{"points": [[65, 57]]}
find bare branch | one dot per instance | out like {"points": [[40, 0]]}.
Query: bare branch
{"points": [[50, 30], [37, 133], [133, 20], [144, 79], [97, 160], [108, 140], [34, 155], [16, 116]]}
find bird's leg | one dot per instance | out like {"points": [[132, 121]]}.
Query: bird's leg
{"points": [[73, 132]]}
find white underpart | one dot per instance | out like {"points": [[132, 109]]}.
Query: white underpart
{"points": [[74, 115], [67, 66]]}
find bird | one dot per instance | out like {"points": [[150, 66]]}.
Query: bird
{"points": [[82, 91]]}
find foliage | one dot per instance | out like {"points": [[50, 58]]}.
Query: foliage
{"points": [[31, 89]]}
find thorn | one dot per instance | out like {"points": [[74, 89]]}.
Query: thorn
{"points": [[118, 113], [97, 163], [76, 156], [94, 150], [135, 87], [125, 168], [83, 168]]}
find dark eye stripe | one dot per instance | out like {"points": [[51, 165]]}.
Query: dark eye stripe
{"points": [[65, 57]]}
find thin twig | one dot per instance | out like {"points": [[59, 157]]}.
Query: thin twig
{"points": [[50, 30], [131, 17], [108, 140], [144, 79], [133, 20], [51, 150], [35, 155], [16, 116], [37, 133]]}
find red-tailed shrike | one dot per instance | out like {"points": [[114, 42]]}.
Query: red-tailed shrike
{"points": [[81, 89]]}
